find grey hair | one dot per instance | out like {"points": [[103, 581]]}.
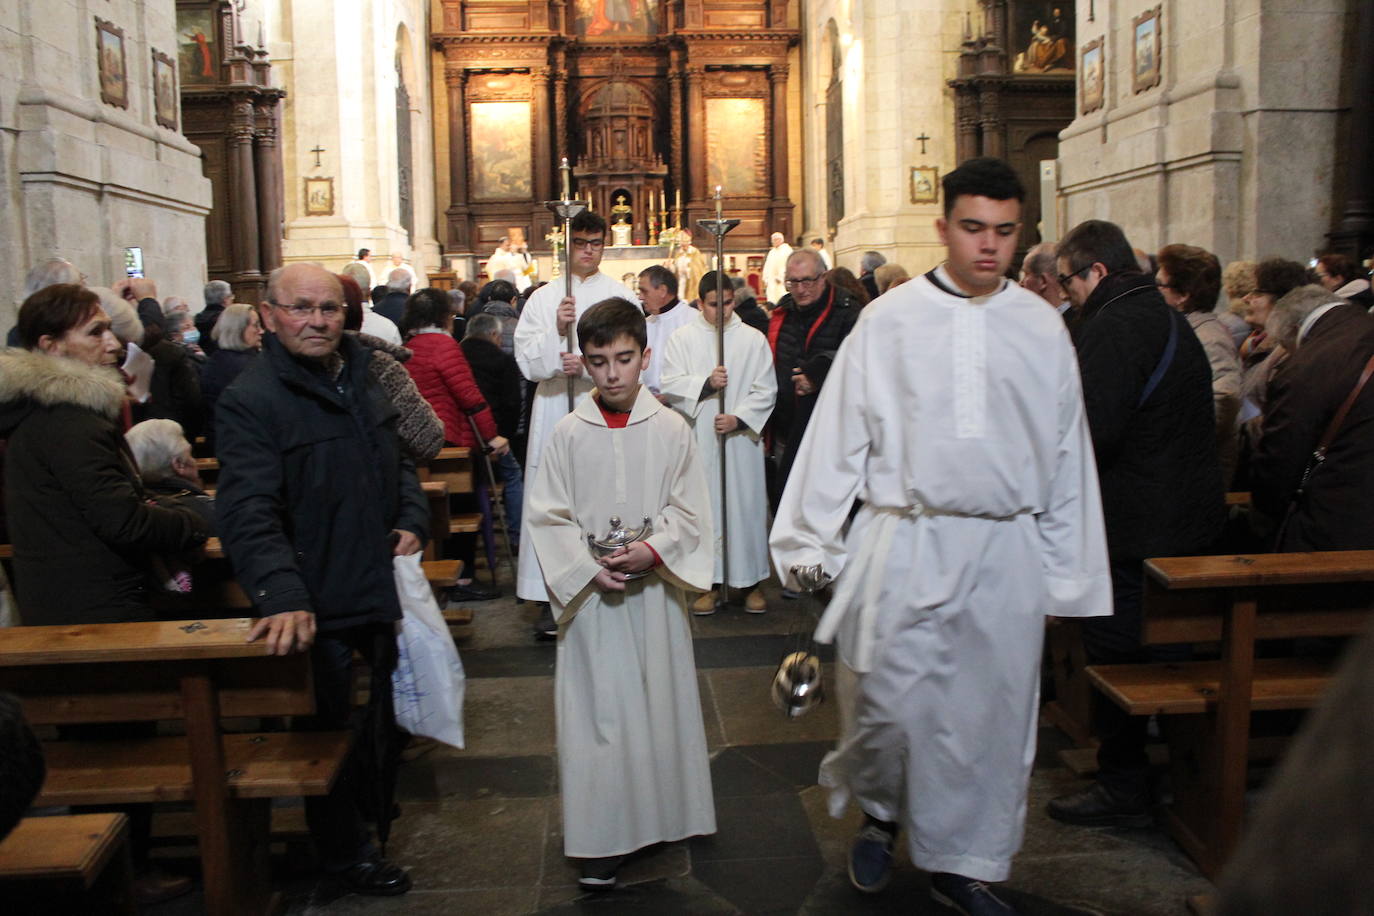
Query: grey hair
{"points": [[1041, 259], [155, 443], [871, 261], [809, 254], [1291, 310], [216, 291], [233, 321], [482, 324], [48, 273], [124, 319], [398, 281]]}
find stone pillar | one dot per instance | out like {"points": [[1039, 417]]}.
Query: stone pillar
{"points": [[455, 78], [269, 176], [543, 131], [243, 202], [696, 135]]}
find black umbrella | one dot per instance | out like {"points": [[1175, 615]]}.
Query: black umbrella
{"points": [[378, 753]]}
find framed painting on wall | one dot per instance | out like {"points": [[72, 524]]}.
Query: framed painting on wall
{"points": [[1041, 34], [164, 90], [925, 184], [319, 197], [1092, 76], [1146, 44], [500, 141], [196, 53], [114, 75], [737, 146]]}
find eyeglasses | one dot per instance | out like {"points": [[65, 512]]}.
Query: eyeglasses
{"points": [[589, 243], [1065, 278], [792, 283], [328, 311]]}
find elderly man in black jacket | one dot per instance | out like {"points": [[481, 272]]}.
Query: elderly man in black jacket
{"points": [[315, 497], [804, 332], [1147, 390]]}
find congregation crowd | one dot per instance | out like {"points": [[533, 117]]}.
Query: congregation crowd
{"points": [[322, 402]]}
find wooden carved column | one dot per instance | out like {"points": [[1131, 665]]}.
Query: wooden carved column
{"points": [[990, 117], [696, 136], [243, 200], [560, 104], [539, 110], [966, 118], [455, 78], [675, 122], [270, 198], [777, 77]]}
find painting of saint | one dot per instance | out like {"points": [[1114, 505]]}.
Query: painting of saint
{"points": [[196, 46], [1145, 71], [737, 146], [1092, 76], [1042, 33], [500, 143], [114, 80], [615, 17], [164, 91]]}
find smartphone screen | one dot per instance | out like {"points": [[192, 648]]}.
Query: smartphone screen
{"points": [[133, 262]]}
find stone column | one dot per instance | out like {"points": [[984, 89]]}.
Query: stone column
{"points": [[243, 201], [696, 135], [543, 134], [455, 78], [269, 172]]}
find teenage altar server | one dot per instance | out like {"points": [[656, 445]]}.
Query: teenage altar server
{"points": [[541, 351], [691, 380], [954, 412]]}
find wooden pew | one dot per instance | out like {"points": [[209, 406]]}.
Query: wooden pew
{"points": [[74, 864], [1205, 706], [191, 670], [453, 466]]}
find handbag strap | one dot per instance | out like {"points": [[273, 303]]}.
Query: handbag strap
{"points": [[1339, 419]]}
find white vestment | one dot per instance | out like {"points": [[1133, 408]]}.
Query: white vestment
{"points": [[633, 767], [380, 326], [660, 327], [753, 387], [537, 351], [959, 423], [775, 272]]}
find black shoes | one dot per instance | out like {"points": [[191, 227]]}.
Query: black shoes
{"points": [[375, 877], [1098, 806], [967, 896], [471, 592], [599, 874], [545, 628]]}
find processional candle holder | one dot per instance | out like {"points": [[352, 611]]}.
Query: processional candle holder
{"points": [[567, 210], [618, 538]]}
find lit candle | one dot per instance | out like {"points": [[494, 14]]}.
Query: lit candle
{"points": [[567, 179], [718, 210], [677, 198]]}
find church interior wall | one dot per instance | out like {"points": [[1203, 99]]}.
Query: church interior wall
{"points": [[85, 178]]}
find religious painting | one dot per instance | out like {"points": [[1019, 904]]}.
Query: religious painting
{"points": [[319, 197], [737, 146], [925, 184], [196, 52], [1092, 75], [164, 90], [500, 142], [1145, 66], [1042, 36], [615, 18], [114, 75]]}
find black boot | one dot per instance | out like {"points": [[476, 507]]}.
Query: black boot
{"points": [[1099, 806]]}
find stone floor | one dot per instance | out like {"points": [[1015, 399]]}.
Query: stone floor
{"points": [[480, 828]]}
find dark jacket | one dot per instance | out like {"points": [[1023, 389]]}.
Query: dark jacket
{"points": [[78, 515], [174, 392], [751, 313], [205, 322], [807, 339], [870, 283], [312, 482], [499, 378], [1161, 478], [178, 491], [1337, 510], [216, 375], [393, 306]]}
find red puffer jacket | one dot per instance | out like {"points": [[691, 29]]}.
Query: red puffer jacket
{"points": [[441, 372]]}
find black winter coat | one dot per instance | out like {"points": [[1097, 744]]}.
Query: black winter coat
{"points": [[392, 306], [826, 323], [1161, 479], [499, 379], [216, 375], [82, 528], [174, 392], [1336, 511], [312, 482]]}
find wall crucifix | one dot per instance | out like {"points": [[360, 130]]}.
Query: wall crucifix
{"points": [[317, 150], [922, 138]]}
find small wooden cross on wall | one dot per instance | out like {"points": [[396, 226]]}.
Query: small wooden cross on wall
{"points": [[923, 138], [317, 150]]}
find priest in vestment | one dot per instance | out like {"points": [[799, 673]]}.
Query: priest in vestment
{"points": [[540, 351], [633, 767], [775, 268], [692, 377], [954, 412]]}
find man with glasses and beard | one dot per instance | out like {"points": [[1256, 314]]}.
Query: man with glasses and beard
{"points": [[541, 351], [804, 332]]}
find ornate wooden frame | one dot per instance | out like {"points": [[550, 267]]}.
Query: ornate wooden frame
{"points": [[118, 98], [1148, 78], [1092, 98], [932, 175], [328, 184], [160, 61]]}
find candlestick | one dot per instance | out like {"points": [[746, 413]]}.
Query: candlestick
{"points": [[567, 179]]}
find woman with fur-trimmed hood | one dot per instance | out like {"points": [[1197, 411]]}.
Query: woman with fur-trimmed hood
{"points": [[82, 527]]}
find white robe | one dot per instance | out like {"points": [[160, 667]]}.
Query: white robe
{"points": [[689, 359], [959, 422], [537, 351], [775, 272], [660, 327], [633, 766]]}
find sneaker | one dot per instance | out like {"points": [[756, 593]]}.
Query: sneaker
{"points": [[870, 858], [705, 606], [599, 874], [754, 603], [546, 628], [1098, 806], [967, 896]]}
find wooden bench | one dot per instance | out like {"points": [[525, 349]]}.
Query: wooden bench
{"points": [[453, 466], [1206, 706], [191, 670], [74, 864]]}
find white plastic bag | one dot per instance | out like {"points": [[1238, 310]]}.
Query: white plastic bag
{"points": [[428, 683]]}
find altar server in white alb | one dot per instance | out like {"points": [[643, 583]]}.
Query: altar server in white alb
{"points": [[631, 746], [954, 412], [541, 351], [692, 379]]}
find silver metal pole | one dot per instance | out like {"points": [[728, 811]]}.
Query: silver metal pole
{"points": [[566, 210]]}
